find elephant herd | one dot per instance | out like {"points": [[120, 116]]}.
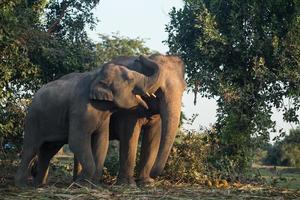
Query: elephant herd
{"points": [[126, 97]]}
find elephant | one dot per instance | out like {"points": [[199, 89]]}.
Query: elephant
{"points": [[76, 109], [159, 123]]}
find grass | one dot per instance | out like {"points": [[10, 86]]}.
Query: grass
{"points": [[61, 187], [279, 176]]}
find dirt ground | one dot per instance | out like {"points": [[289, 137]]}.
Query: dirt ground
{"points": [[64, 189], [61, 187]]}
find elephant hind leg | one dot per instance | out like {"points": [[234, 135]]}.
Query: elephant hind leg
{"points": [[46, 152], [29, 152]]}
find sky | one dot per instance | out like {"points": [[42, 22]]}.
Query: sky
{"points": [[146, 20]]}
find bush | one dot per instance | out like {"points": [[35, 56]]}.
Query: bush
{"points": [[195, 157], [290, 155], [188, 158], [11, 128], [285, 152]]}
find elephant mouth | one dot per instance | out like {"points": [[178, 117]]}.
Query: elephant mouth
{"points": [[141, 101], [140, 95]]}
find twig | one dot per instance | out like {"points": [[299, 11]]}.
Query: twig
{"points": [[94, 185], [74, 183], [64, 6]]}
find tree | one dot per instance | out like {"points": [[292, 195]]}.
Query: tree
{"points": [[16, 71], [286, 151], [246, 55], [116, 45], [39, 41]]}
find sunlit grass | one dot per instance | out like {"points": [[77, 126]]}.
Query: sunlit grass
{"points": [[279, 176]]}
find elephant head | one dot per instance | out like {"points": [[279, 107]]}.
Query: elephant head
{"points": [[116, 83]]}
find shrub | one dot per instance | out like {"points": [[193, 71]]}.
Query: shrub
{"points": [[290, 155], [285, 152], [190, 158]]}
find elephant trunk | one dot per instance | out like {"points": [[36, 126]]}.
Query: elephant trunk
{"points": [[170, 115], [152, 83]]}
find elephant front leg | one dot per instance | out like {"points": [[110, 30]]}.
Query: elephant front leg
{"points": [[128, 148], [149, 149], [80, 145], [100, 142]]}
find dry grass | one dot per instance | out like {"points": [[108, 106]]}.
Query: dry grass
{"points": [[61, 187], [162, 190], [158, 192]]}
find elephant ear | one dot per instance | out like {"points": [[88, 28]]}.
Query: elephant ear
{"points": [[100, 91]]}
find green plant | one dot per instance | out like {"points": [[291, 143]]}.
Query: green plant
{"points": [[244, 54], [286, 151]]}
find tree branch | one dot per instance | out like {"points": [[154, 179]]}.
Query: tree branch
{"points": [[64, 6]]}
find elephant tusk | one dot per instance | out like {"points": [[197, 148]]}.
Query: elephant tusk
{"points": [[141, 101], [153, 95], [148, 94]]}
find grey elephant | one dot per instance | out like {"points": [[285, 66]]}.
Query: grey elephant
{"points": [[159, 123], [76, 109]]}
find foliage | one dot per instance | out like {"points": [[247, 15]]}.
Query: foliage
{"points": [[67, 19], [17, 72], [56, 57], [195, 158], [246, 55], [116, 45], [259, 156], [41, 41], [285, 152], [290, 155], [188, 158], [34, 50]]}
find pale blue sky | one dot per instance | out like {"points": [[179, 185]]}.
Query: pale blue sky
{"points": [[147, 19]]}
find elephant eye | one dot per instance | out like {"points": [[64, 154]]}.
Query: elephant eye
{"points": [[130, 80]]}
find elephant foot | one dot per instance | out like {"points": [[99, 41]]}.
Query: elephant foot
{"points": [[126, 181], [146, 182], [39, 182]]}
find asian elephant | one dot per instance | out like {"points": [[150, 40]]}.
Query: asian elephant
{"points": [[159, 122], [76, 109]]}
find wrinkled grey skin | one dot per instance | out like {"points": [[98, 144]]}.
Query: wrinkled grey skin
{"points": [[159, 123], [76, 109]]}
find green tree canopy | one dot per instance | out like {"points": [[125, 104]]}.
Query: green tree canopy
{"points": [[116, 45], [40, 41], [246, 55]]}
